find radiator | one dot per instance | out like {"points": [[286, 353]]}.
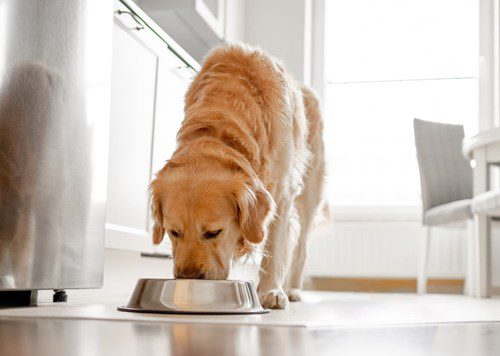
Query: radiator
{"points": [[383, 250]]}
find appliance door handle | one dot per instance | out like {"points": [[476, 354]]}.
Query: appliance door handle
{"points": [[134, 17]]}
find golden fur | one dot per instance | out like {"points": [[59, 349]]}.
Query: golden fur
{"points": [[243, 157]]}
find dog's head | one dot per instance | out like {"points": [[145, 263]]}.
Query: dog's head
{"points": [[210, 216]]}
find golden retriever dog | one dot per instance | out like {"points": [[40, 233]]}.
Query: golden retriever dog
{"points": [[248, 168]]}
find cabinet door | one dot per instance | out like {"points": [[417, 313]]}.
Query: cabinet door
{"points": [[173, 80], [133, 90], [172, 83], [147, 107]]}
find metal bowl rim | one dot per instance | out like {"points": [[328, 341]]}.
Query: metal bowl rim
{"points": [[132, 306], [182, 312]]}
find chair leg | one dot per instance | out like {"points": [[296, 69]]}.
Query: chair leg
{"points": [[469, 280], [424, 261], [482, 256]]}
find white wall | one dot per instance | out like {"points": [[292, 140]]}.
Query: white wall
{"points": [[281, 28]]}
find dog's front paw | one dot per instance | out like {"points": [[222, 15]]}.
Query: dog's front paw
{"points": [[274, 299], [294, 295]]}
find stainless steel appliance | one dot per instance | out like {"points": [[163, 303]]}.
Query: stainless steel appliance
{"points": [[55, 59]]}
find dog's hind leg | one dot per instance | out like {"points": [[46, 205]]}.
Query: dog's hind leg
{"points": [[295, 276], [307, 206], [311, 196]]}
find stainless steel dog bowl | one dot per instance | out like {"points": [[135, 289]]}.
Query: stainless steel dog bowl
{"points": [[194, 296]]}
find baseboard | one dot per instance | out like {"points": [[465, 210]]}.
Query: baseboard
{"points": [[400, 285]]}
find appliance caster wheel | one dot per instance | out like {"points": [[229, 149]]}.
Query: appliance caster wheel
{"points": [[59, 296]]}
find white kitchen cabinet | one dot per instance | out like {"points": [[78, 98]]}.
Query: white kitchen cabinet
{"points": [[147, 100], [173, 81], [199, 25]]}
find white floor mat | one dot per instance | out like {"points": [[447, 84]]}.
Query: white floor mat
{"points": [[319, 309]]}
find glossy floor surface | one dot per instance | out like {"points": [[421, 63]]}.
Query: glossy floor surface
{"points": [[96, 337]]}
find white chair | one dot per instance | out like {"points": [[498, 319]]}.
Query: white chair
{"points": [[446, 184]]}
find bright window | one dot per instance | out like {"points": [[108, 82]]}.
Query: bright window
{"points": [[386, 63]]}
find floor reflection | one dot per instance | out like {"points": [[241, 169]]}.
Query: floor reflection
{"points": [[96, 337]]}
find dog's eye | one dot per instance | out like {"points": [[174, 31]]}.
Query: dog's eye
{"points": [[174, 233], [211, 234]]}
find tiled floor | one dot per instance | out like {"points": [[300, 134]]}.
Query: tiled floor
{"points": [[324, 324]]}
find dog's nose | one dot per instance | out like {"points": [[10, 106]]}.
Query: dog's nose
{"points": [[189, 273]]}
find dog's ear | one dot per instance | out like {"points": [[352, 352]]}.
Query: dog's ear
{"points": [[255, 209], [156, 209]]}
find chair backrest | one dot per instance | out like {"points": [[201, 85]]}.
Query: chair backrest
{"points": [[445, 175]]}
